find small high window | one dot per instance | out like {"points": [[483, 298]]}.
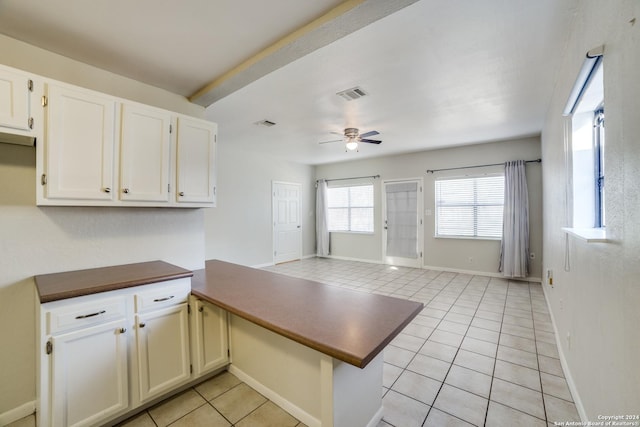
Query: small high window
{"points": [[585, 112]]}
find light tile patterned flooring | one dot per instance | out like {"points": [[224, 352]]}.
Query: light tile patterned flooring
{"points": [[481, 353]]}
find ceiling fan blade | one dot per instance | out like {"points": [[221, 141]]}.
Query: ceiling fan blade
{"points": [[371, 141], [327, 142], [368, 134], [337, 133]]}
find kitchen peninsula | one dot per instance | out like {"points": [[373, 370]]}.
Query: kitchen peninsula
{"points": [[145, 330], [314, 349]]}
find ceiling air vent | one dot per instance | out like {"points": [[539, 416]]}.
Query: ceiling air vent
{"points": [[266, 123], [353, 93]]}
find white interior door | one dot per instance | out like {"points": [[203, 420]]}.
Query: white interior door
{"points": [[402, 229], [287, 231]]}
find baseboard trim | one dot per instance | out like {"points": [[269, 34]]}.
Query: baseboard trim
{"points": [[565, 366], [376, 418], [482, 273], [266, 264], [344, 258], [15, 414], [285, 404]]}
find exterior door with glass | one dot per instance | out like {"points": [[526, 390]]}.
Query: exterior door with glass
{"points": [[402, 228]]}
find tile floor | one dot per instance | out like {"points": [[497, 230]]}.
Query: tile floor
{"points": [[481, 353], [221, 401]]}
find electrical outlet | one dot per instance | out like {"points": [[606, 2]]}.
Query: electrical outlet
{"points": [[550, 277]]}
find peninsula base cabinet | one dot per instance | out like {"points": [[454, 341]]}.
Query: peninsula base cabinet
{"points": [[102, 356], [210, 342], [163, 350]]}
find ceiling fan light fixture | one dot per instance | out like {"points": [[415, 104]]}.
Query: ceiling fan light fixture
{"points": [[352, 145]]}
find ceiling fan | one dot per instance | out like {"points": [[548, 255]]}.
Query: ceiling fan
{"points": [[352, 137]]}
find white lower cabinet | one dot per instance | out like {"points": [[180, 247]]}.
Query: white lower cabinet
{"points": [[102, 356], [162, 338], [210, 344], [89, 374]]}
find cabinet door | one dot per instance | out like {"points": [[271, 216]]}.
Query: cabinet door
{"points": [[145, 150], [211, 342], [80, 141], [163, 350], [15, 95], [196, 148], [89, 375]]}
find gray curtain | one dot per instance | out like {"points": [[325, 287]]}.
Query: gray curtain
{"points": [[514, 251], [322, 214]]}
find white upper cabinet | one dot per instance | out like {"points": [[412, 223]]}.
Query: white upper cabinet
{"points": [[196, 155], [99, 150], [15, 99], [80, 142], [144, 154]]}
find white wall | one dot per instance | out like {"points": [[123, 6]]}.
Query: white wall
{"points": [[44, 240], [240, 228], [597, 301], [443, 253]]}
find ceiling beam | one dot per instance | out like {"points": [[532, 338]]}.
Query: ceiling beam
{"points": [[339, 22]]}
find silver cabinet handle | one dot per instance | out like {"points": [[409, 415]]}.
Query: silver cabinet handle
{"points": [[122, 330], [181, 194], [107, 190], [125, 190], [142, 325], [97, 313], [201, 309], [163, 299]]}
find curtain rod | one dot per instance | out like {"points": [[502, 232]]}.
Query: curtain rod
{"points": [[355, 177], [478, 166]]}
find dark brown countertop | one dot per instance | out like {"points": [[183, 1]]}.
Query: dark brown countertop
{"points": [[347, 325], [70, 284]]}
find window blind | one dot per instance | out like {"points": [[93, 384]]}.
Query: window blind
{"points": [[350, 208], [470, 207]]}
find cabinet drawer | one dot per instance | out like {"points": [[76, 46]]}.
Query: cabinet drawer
{"points": [[163, 295], [85, 314]]}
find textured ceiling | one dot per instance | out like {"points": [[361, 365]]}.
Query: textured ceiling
{"points": [[438, 73]]}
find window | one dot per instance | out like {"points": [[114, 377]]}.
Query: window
{"points": [[470, 207], [585, 113], [351, 208]]}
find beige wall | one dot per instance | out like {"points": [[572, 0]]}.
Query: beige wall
{"points": [[29, 58], [43, 240], [240, 228], [595, 299], [443, 253]]}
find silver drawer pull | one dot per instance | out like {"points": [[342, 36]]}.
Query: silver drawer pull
{"points": [[163, 299], [97, 313]]}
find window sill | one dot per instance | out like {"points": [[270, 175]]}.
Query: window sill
{"points": [[371, 233], [467, 238], [589, 235]]}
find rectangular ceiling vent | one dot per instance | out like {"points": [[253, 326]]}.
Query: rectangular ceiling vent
{"points": [[353, 93], [266, 123]]}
